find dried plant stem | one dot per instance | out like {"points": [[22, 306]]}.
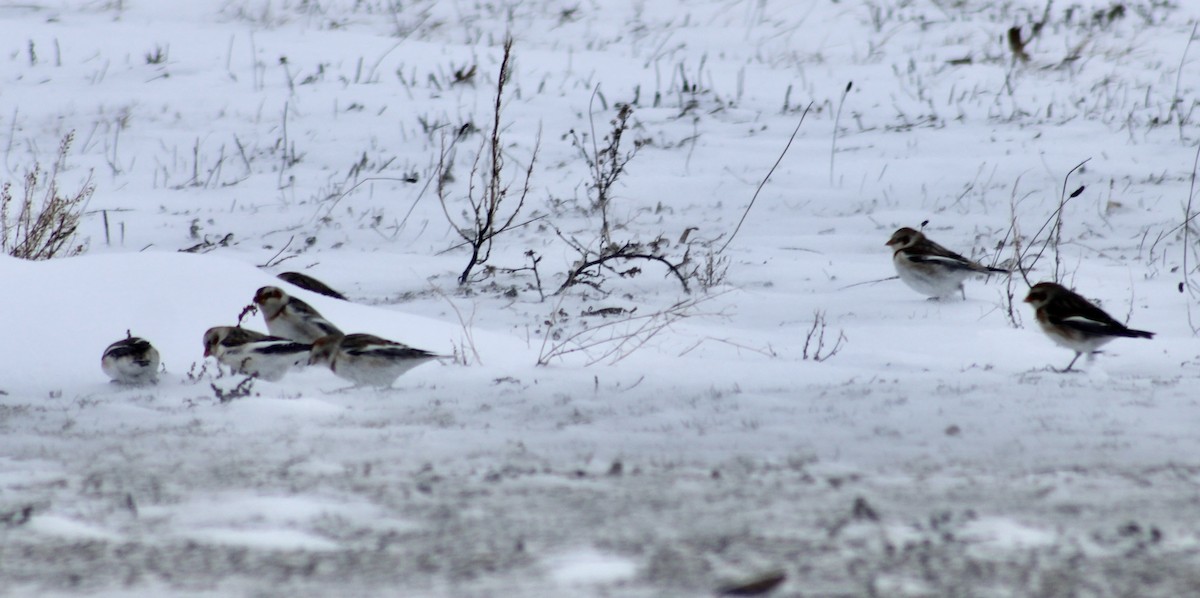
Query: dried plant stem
{"points": [[816, 334], [1187, 216], [1176, 101], [486, 222], [43, 229], [1055, 235], [836, 120], [626, 252], [614, 340], [468, 330], [763, 183]]}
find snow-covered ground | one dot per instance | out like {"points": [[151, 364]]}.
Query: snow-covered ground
{"points": [[627, 438]]}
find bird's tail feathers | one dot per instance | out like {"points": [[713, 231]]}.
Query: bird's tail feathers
{"points": [[1131, 333]]}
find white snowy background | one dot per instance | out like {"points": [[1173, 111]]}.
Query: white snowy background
{"points": [[935, 453]]}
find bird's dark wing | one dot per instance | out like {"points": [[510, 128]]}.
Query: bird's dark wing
{"points": [[282, 347], [130, 347], [307, 282], [1075, 312]]}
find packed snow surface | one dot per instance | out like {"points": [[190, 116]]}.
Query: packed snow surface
{"points": [[733, 407]]}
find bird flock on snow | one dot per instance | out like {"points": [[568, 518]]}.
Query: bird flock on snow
{"points": [[299, 336]]}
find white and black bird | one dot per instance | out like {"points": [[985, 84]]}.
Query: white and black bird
{"points": [[132, 360], [1073, 322], [290, 318], [365, 359], [254, 354], [929, 268]]}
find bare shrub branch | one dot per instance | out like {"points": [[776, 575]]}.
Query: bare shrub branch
{"points": [[606, 163], [814, 342], [590, 268], [484, 219], [43, 228]]}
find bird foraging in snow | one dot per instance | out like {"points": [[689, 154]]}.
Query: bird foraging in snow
{"points": [[132, 360], [1073, 322], [366, 360], [290, 318], [929, 268], [254, 354]]}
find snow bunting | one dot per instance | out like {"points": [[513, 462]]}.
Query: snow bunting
{"points": [[365, 359], [254, 354], [131, 360], [309, 283], [929, 268], [1074, 322], [290, 318]]}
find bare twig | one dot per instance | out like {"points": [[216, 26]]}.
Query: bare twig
{"points": [[816, 334], [1014, 233], [625, 252], [767, 351], [1187, 215], [613, 340], [462, 244], [836, 119], [468, 332], [607, 164], [850, 286], [763, 183], [534, 260], [1176, 101], [1055, 235], [486, 220], [43, 229], [271, 262], [337, 197]]}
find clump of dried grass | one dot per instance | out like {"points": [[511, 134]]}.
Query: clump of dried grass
{"points": [[41, 224]]}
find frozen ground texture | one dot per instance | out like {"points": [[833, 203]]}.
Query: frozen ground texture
{"points": [[933, 455]]}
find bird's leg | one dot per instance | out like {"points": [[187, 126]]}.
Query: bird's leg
{"points": [[962, 289], [1068, 368]]}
